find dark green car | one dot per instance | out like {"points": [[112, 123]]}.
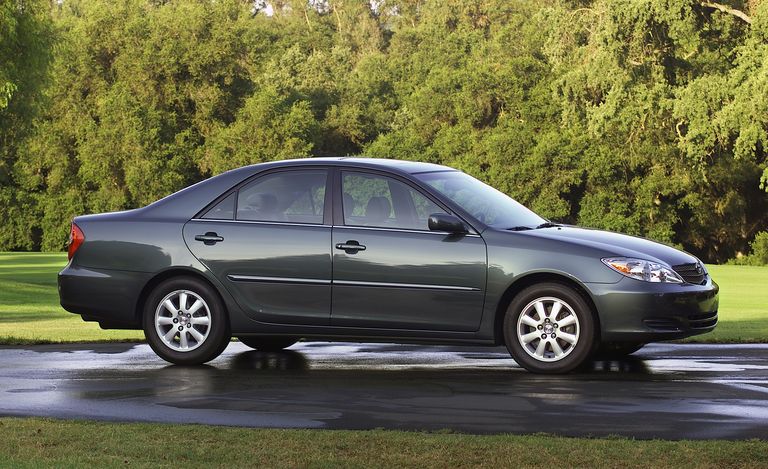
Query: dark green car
{"points": [[355, 249]]}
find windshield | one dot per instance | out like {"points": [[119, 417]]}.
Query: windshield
{"points": [[482, 201]]}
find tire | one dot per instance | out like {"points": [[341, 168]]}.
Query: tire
{"points": [[268, 344], [573, 326], [614, 350], [204, 319]]}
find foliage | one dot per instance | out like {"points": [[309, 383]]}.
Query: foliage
{"points": [[643, 116], [758, 252], [26, 38]]}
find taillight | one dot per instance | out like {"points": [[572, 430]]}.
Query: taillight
{"points": [[76, 238]]}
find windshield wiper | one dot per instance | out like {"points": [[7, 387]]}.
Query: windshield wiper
{"points": [[519, 228], [548, 224]]}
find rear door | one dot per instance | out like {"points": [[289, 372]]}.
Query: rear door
{"points": [[390, 271], [269, 243]]}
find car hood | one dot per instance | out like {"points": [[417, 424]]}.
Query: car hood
{"points": [[616, 244]]}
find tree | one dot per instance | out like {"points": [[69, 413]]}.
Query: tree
{"points": [[645, 79], [25, 41], [642, 116]]}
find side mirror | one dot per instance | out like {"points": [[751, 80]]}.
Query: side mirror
{"points": [[445, 222]]}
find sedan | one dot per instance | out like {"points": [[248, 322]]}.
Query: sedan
{"points": [[375, 250]]}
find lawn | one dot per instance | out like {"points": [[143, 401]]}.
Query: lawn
{"points": [[29, 304], [743, 304], [53, 443], [30, 311]]}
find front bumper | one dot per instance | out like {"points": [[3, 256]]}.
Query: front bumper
{"points": [[635, 311]]}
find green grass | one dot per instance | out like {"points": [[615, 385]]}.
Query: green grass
{"points": [[30, 311], [52, 443], [29, 304], [743, 304]]}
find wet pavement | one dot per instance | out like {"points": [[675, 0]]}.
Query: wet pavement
{"points": [[662, 391]]}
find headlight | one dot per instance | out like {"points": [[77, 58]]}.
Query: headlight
{"points": [[642, 270]]}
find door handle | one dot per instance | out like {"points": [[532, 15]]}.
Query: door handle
{"points": [[350, 247], [210, 238]]}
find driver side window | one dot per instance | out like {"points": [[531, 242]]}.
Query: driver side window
{"points": [[381, 201]]}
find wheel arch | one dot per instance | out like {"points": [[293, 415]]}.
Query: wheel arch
{"points": [[528, 280], [168, 274]]}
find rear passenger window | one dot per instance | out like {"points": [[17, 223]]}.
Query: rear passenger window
{"points": [[288, 196], [224, 210]]}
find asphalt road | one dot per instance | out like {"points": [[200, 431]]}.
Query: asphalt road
{"points": [[663, 391]]}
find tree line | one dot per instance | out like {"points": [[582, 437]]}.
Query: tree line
{"points": [[648, 117]]}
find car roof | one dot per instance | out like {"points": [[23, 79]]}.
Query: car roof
{"points": [[411, 167], [190, 200]]}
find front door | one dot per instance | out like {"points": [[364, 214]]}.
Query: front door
{"points": [[269, 244], [390, 271]]}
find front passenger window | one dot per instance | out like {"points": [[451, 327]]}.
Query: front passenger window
{"points": [[381, 201]]}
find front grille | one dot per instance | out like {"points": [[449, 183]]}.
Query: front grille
{"points": [[703, 321], [691, 273]]}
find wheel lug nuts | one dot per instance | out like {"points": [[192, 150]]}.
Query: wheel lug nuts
{"points": [[553, 335], [541, 327], [175, 320], [543, 336], [555, 326], [181, 328], [190, 325]]}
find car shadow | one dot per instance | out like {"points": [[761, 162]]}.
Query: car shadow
{"points": [[285, 360], [242, 379], [624, 365]]}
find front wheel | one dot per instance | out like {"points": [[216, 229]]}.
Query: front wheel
{"points": [[549, 328], [185, 322]]}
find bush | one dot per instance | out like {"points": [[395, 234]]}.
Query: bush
{"points": [[758, 254], [760, 248]]}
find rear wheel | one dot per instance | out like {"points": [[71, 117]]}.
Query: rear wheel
{"points": [[549, 328], [185, 322], [268, 344]]}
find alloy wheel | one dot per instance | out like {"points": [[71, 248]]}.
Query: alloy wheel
{"points": [[183, 320], [548, 329]]}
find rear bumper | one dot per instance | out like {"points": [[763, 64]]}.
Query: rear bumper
{"points": [[106, 296], [635, 311]]}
